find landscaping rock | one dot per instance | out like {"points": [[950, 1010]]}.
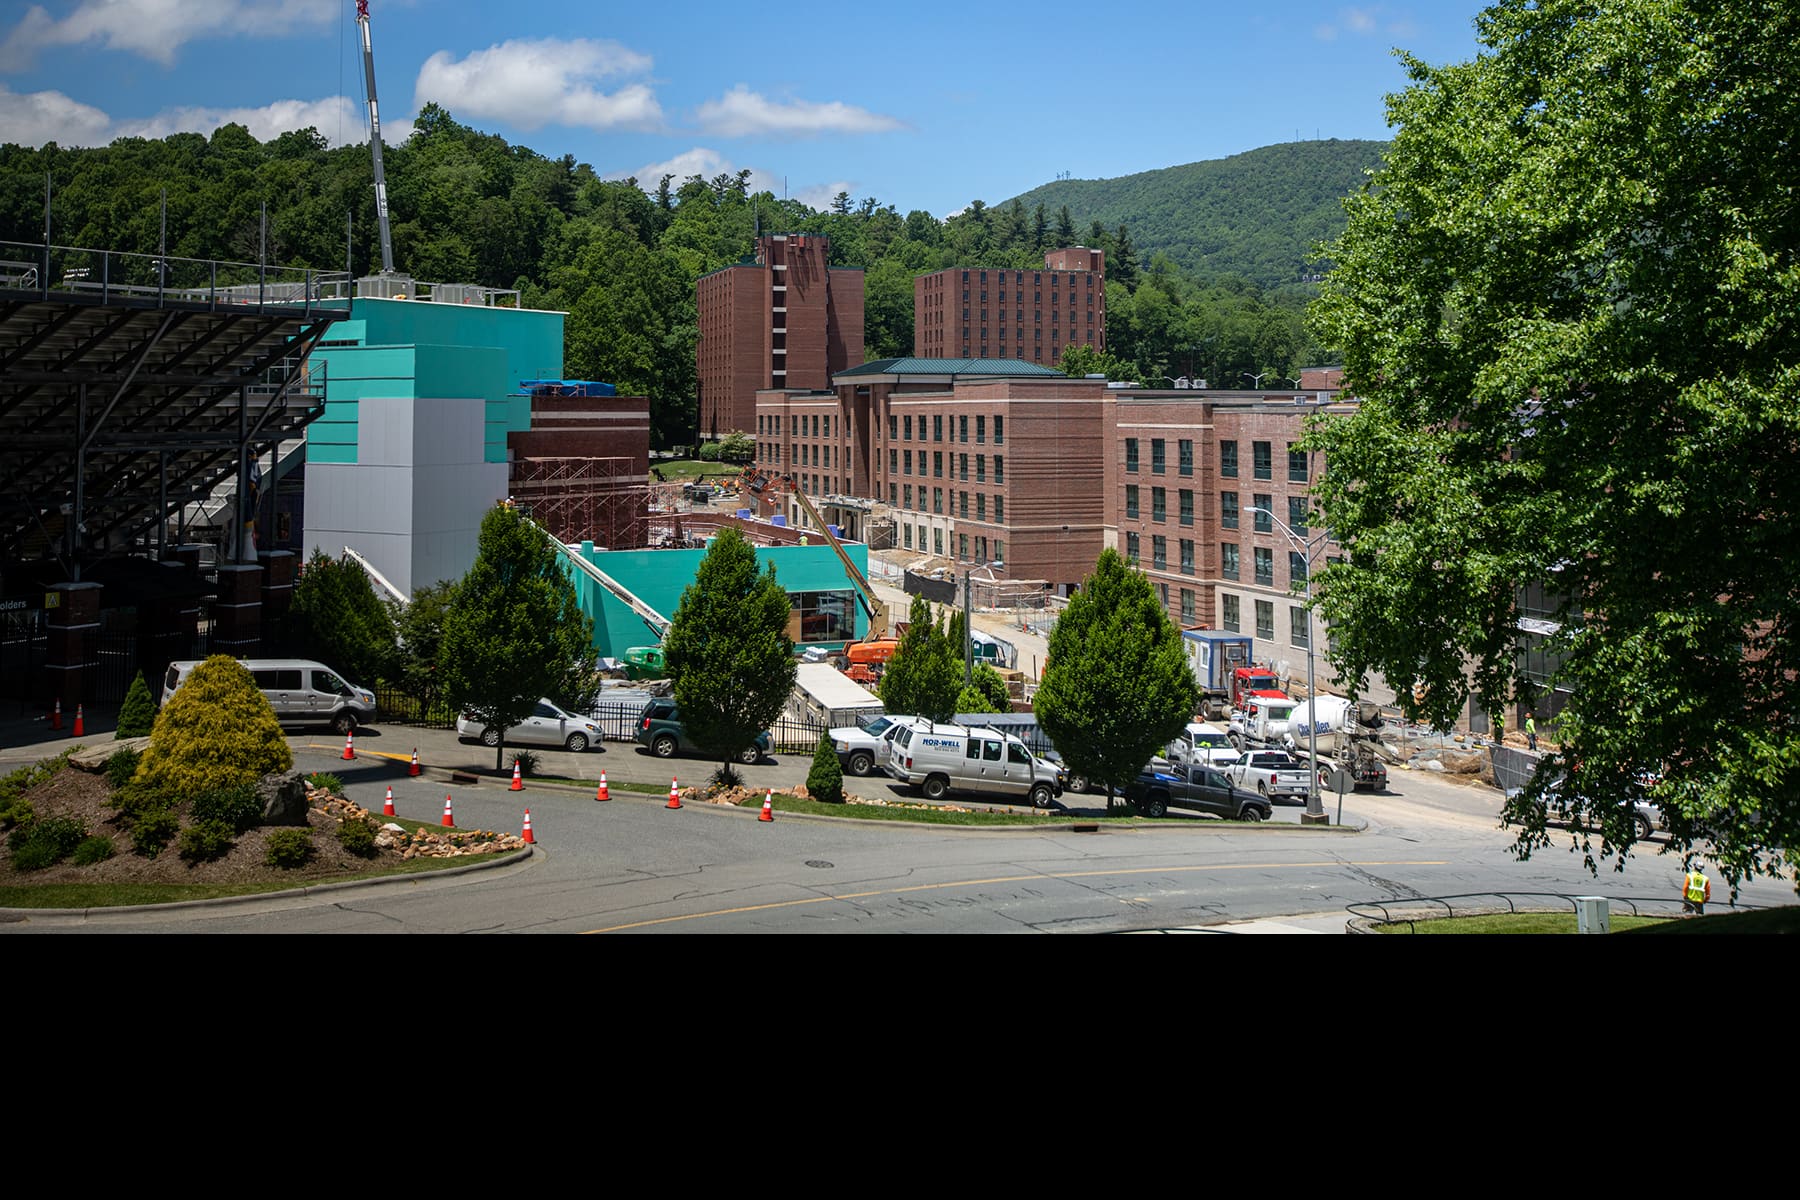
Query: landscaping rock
{"points": [[283, 798]]}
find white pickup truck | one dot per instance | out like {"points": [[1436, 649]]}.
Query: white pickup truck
{"points": [[1271, 773]]}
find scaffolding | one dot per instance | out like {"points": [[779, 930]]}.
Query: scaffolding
{"points": [[602, 500]]}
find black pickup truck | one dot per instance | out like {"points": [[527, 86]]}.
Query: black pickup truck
{"points": [[1201, 788]]}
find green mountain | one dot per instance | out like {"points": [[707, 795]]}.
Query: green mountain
{"points": [[1257, 214]]}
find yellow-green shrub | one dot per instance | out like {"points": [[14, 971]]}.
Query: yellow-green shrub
{"points": [[216, 731]]}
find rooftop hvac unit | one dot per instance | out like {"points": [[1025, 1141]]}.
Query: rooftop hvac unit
{"points": [[459, 293], [385, 287]]}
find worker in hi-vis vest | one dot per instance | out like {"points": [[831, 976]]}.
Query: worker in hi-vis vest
{"points": [[1696, 890]]}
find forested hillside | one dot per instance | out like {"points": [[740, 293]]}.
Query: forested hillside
{"points": [[1256, 215], [621, 259]]}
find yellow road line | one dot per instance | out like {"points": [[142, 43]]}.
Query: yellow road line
{"points": [[958, 883]]}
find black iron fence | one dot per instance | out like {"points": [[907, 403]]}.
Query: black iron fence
{"points": [[618, 721]]}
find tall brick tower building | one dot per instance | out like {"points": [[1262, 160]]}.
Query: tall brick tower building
{"points": [[785, 320], [984, 312]]}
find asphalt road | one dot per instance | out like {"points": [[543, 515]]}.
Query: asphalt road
{"points": [[633, 866]]}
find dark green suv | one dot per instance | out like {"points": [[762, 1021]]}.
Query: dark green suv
{"points": [[659, 727]]}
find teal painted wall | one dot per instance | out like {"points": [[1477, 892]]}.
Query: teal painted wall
{"points": [[411, 349], [659, 577]]}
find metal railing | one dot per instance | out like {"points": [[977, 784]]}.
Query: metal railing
{"points": [[166, 278], [1414, 909]]}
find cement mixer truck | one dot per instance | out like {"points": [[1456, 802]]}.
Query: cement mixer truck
{"points": [[1348, 735]]}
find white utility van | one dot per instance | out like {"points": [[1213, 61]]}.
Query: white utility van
{"points": [[938, 759], [300, 692]]}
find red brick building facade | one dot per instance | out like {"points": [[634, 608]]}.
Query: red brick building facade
{"points": [[786, 320], [582, 468], [985, 312]]}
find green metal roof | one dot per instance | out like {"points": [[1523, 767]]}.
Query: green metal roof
{"points": [[952, 366]]}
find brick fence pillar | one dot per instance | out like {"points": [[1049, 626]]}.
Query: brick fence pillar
{"points": [[237, 613], [72, 627]]}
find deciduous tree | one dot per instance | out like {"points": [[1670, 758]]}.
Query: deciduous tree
{"points": [[1570, 306], [515, 631], [1117, 687], [728, 650], [337, 619], [922, 678]]}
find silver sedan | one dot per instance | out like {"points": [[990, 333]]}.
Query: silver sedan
{"points": [[547, 725]]}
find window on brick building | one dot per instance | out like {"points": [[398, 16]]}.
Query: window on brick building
{"points": [[1261, 462], [893, 426], [893, 462], [1297, 514], [999, 469], [1264, 506], [907, 426], [981, 506], [1296, 464], [980, 430], [1265, 567], [937, 501], [1299, 628], [906, 534], [981, 468], [1231, 612], [907, 492], [1187, 507], [1187, 606], [1296, 568], [937, 464], [894, 495], [1159, 504], [1131, 455], [1228, 510], [1185, 455], [1156, 456], [963, 507], [1187, 556], [1265, 620], [1228, 459], [962, 424], [1159, 553], [999, 513], [1131, 546], [963, 467], [1228, 560], [1131, 501], [937, 429]]}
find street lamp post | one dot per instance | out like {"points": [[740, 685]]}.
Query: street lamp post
{"points": [[1257, 378], [1315, 808]]}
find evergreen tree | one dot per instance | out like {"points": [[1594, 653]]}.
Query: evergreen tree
{"points": [[1117, 686], [728, 650], [420, 628], [515, 632], [993, 689], [337, 619], [825, 782], [921, 679], [216, 732], [138, 714], [1065, 228]]}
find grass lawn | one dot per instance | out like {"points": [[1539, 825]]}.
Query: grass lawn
{"points": [[119, 895], [675, 469], [1769, 920]]}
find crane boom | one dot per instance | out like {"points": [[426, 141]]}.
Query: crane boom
{"points": [[381, 203], [873, 605], [658, 623]]}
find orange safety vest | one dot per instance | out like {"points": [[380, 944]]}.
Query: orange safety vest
{"points": [[1698, 889]]}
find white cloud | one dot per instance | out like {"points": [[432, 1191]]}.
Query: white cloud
{"points": [[33, 118], [744, 113], [530, 84], [156, 29], [708, 163], [1361, 22]]}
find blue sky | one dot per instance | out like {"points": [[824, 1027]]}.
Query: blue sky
{"points": [[921, 105]]}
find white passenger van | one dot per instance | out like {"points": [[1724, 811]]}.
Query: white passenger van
{"points": [[939, 759], [300, 692]]}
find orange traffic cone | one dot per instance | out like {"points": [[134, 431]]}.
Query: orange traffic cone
{"points": [[768, 812], [526, 836], [80, 725], [600, 793], [448, 819], [518, 783], [674, 796], [414, 769], [349, 746], [56, 714], [387, 806]]}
